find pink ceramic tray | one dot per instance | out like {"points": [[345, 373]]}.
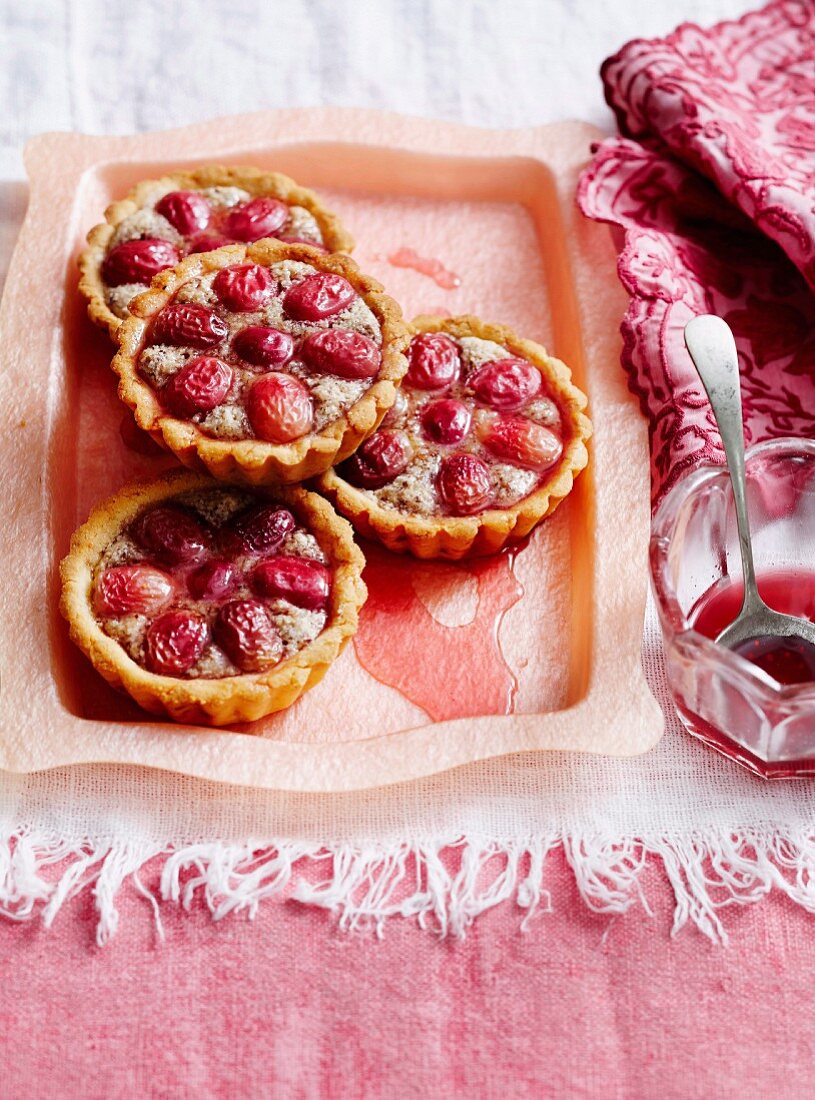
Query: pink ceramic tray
{"points": [[539, 650]]}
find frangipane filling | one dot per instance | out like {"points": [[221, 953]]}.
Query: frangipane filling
{"points": [[473, 427], [172, 224], [270, 353], [212, 583]]}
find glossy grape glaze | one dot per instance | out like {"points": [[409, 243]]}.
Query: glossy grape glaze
{"points": [[484, 440], [162, 221], [266, 362], [262, 352], [212, 583], [212, 604], [474, 427]]}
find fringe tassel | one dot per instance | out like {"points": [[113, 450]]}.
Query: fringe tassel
{"points": [[445, 886]]}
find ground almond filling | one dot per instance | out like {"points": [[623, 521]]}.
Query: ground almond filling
{"points": [[473, 427], [172, 224], [212, 583], [244, 352]]}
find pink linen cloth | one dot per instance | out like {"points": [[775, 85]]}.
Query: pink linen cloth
{"points": [[713, 182], [587, 1005]]}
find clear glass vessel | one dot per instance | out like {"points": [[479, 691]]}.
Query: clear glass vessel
{"points": [[723, 699]]}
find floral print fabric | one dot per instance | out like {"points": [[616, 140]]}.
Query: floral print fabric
{"points": [[713, 183]]}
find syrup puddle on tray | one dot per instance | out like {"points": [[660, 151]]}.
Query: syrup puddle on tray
{"points": [[434, 269], [431, 630]]}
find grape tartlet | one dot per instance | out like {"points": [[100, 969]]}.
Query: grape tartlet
{"points": [[485, 439], [163, 220], [266, 362], [212, 603]]}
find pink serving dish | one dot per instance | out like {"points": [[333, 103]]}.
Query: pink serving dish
{"points": [[531, 652]]}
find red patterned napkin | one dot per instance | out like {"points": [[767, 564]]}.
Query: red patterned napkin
{"points": [[714, 185]]}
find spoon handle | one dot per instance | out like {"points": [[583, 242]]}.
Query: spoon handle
{"points": [[713, 351]]}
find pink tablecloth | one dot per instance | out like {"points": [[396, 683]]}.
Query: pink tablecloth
{"points": [[583, 1005]]}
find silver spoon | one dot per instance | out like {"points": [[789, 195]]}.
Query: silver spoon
{"points": [[713, 351]]}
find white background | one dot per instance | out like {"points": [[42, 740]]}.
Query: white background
{"points": [[119, 66], [115, 66]]}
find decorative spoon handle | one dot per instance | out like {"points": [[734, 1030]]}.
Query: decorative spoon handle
{"points": [[713, 351]]}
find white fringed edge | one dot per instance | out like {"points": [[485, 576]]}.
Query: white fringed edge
{"points": [[366, 884]]}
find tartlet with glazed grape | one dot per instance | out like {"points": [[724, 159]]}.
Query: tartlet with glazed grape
{"points": [[267, 362], [484, 441], [212, 603], [163, 220]]}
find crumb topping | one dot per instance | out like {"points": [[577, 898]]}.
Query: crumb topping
{"points": [[225, 197], [129, 631], [296, 625], [331, 395], [544, 411], [288, 272], [302, 544], [216, 507], [227, 422], [198, 291], [213, 664], [121, 551], [511, 483], [475, 352], [414, 490], [145, 223], [120, 297], [159, 362], [303, 224]]}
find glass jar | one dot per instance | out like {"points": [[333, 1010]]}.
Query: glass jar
{"points": [[721, 698]]}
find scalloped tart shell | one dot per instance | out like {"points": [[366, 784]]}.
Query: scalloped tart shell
{"points": [[272, 184], [253, 461], [455, 537], [231, 699]]}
